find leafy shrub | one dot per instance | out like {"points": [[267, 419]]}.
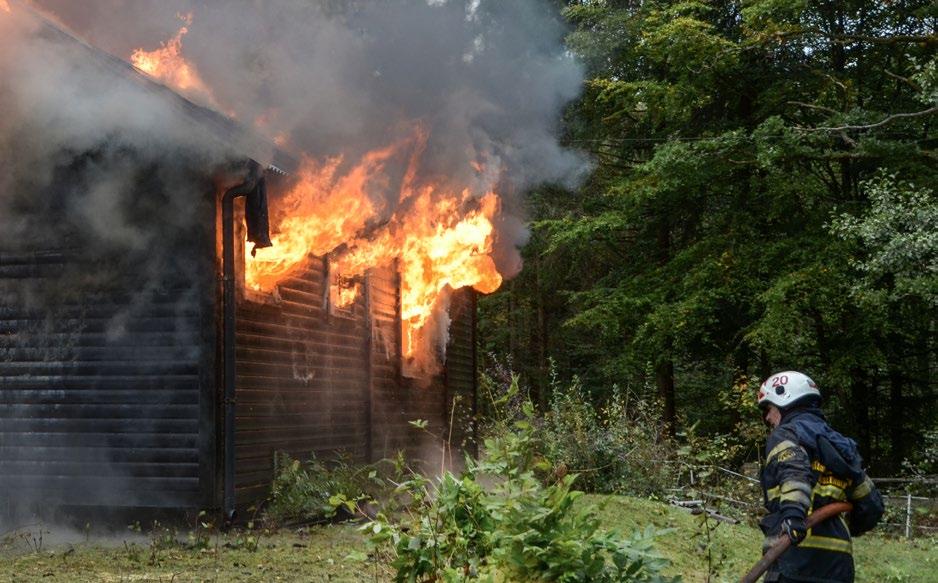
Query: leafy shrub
{"points": [[704, 463], [498, 521], [923, 465], [618, 446], [501, 397], [312, 491]]}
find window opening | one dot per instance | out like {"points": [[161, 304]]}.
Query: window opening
{"points": [[242, 249], [342, 292]]}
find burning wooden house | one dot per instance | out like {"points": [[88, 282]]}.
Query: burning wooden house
{"points": [[158, 365]]}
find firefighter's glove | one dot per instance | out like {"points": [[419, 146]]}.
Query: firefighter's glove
{"points": [[795, 529]]}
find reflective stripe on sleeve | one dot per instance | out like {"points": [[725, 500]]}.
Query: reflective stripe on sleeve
{"points": [[773, 493], [862, 490], [827, 543], [830, 491], [791, 491], [784, 445], [795, 491]]}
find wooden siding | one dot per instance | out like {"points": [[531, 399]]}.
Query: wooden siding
{"points": [[311, 381], [460, 375], [446, 403], [301, 380], [100, 384], [397, 400]]}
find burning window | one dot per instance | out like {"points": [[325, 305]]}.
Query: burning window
{"points": [[341, 291], [247, 289], [377, 211]]}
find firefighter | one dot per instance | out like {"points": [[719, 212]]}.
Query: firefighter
{"points": [[809, 465]]}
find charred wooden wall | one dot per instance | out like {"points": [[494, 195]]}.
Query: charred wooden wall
{"points": [[396, 399], [301, 379], [460, 376], [315, 380], [446, 403], [105, 398], [109, 392]]}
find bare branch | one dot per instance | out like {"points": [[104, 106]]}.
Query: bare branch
{"points": [[906, 80], [928, 39], [883, 40], [843, 135], [812, 106], [880, 123]]}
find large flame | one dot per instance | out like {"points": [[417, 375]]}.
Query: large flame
{"points": [[441, 238], [440, 247], [167, 65], [323, 210]]}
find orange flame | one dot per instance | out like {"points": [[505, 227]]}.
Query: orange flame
{"points": [[322, 211], [440, 247], [442, 239], [167, 65], [4, 6]]}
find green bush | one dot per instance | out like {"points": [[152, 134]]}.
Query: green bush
{"points": [[922, 467], [312, 491], [500, 521], [618, 446]]}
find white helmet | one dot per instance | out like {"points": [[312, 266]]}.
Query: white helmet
{"points": [[784, 389]]}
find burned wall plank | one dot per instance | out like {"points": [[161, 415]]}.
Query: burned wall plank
{"points": [[311, 381], [300, 380], [397, 400], [100, 388], [460, 376]]}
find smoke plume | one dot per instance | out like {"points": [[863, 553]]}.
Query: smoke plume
{"points": [[488, 77]]}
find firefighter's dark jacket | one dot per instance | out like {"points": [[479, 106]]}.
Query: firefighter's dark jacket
{"points": [[809, 465]]}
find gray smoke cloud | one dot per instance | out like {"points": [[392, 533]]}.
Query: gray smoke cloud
{"points": [[487, 78], [345, 74], [67, 110]]}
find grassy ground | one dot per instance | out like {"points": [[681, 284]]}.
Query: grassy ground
{"points": [[316, 554], [320, 553], [733, 548]]}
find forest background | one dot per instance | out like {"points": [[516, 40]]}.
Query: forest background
{"points": [[762, 199]]}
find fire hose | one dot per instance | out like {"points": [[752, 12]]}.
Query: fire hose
{"points": [[775, 551]]}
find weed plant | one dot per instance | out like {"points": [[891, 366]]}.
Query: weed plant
{"points": [[506, 517], [618, 446], [312, 491]]}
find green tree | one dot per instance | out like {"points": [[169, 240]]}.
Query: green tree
{"points": [[707, 245]]}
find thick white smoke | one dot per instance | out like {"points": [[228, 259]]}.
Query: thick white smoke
{"points": [[488, 78], [67, 110]]}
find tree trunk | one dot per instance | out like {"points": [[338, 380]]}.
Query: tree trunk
{"points": [[896, 417], [664, 379], [542, 335], [512, 333], [861, 390], [664, 370]]}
